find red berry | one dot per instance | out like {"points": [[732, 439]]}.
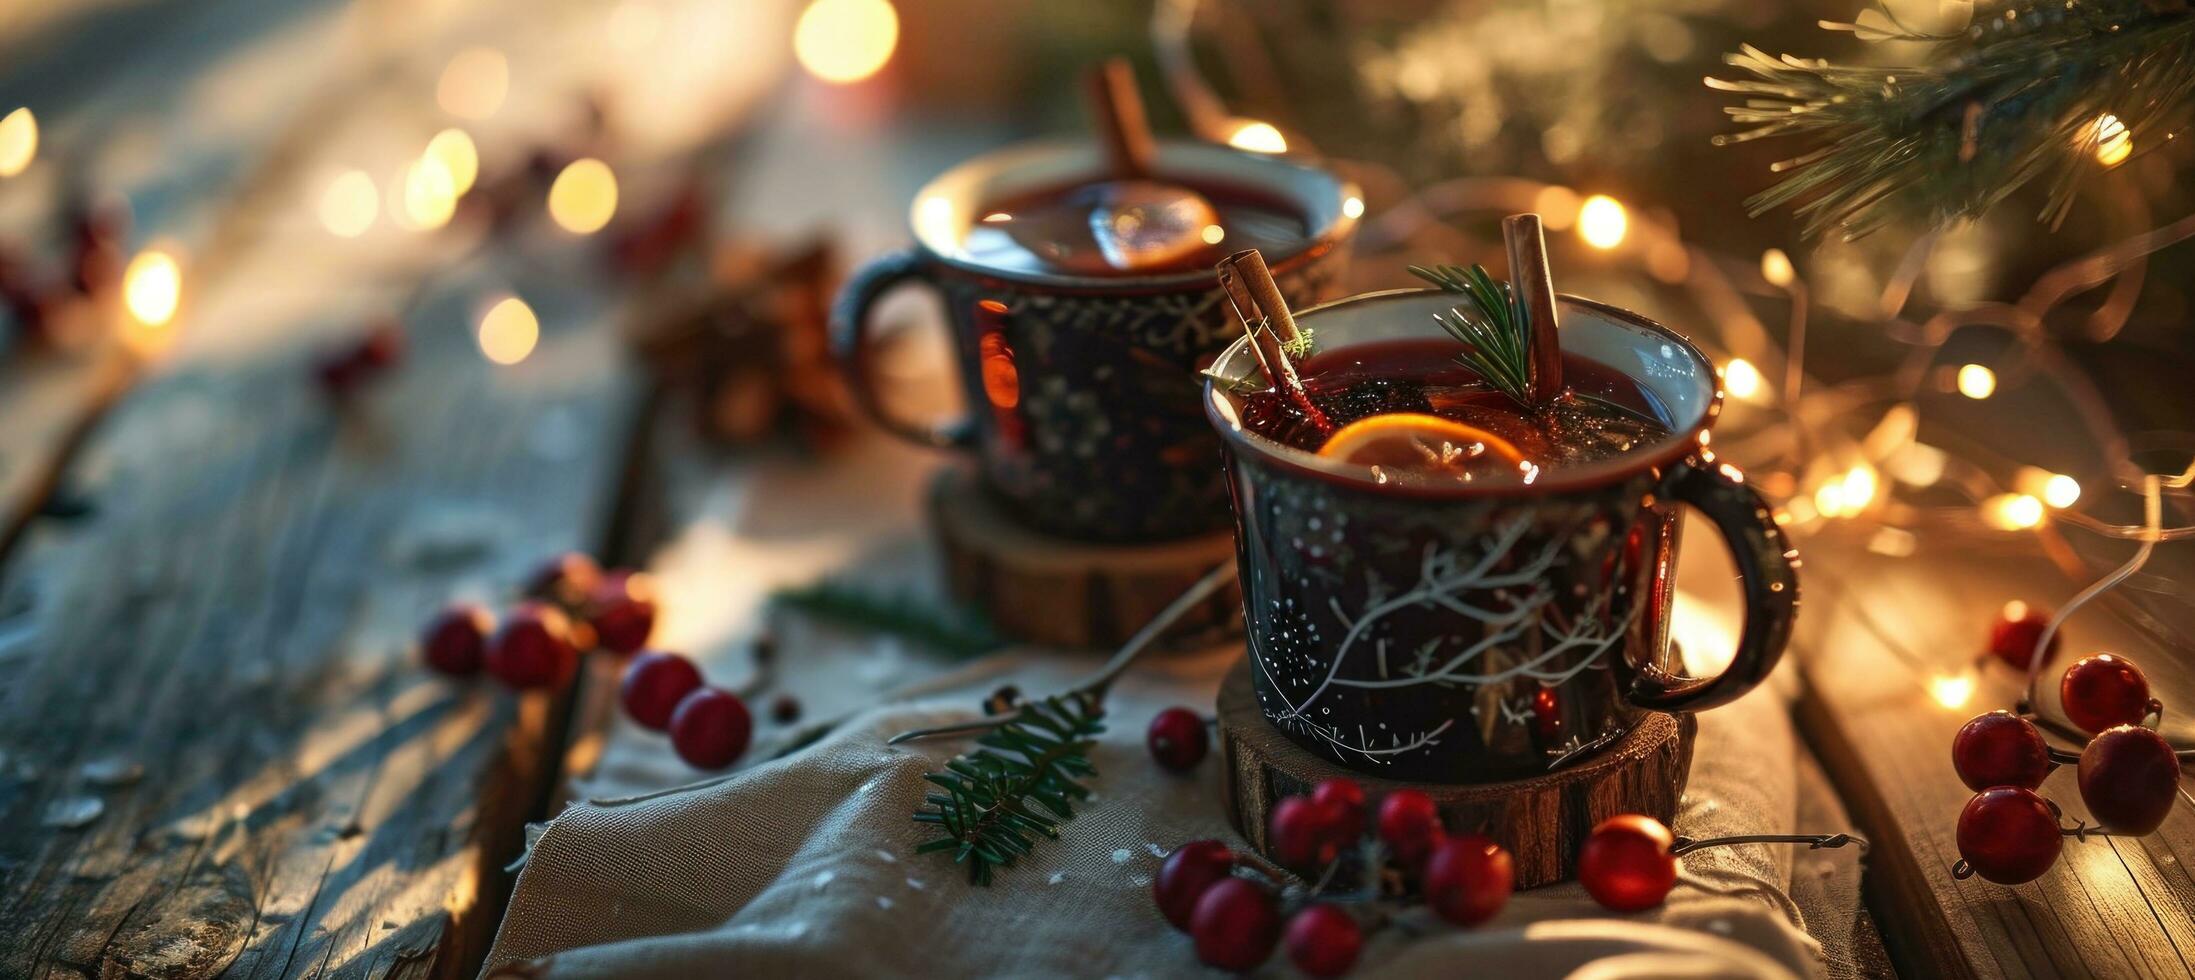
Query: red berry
{"points": [[1468, 879], [533, 649], [567, 580], [2129, 776], [1177, 739], [2009, 835], [1626, 864], [1547, 715], [622, 611], [785, 709], [2000, 749], [2014, 635], [457, 639], [1324, 941], [341, 372], [2103, 691], [1235, 925], [654, 684], [1343, 801], [710, 728], [1186, 874], [1410, 825], [1302, 834]]}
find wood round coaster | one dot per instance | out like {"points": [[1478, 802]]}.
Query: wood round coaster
{"points": [[1053, 591], [1542, 820]]}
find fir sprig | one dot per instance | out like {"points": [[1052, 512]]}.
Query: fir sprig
{"points": [[2020, 94], [944, 627], [1495, 329], [996, 801]]}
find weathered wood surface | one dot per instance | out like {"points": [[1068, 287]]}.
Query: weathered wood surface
{"points": [[217, 661], [1875, 632], [1054, 592], [1542, 821]]}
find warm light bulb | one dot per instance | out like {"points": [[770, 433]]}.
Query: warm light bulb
{"points": [[459, 158], [508, 331], [474, 83], [430, 195], [2113, 143], [1213, 234], [350, 204], [152, 287], [18, 141], [1602, 222], [1741, 379], [845, 41], [584, 197], [1952, 692], [1977, 382], [2061, 491], [1257, 137], [2012, 511], [1859, 488], [1776, 268], [1353, 207]]}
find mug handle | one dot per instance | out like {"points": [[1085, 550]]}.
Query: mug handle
{"points": [[850, 344], [1768, 568]]}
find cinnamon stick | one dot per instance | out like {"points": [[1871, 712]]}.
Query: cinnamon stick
{"points": [[1117, 112], [1264, 313], [1534, 284]]}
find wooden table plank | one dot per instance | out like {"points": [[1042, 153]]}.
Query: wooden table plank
{"points": [[235, 620], [2111, 908]]}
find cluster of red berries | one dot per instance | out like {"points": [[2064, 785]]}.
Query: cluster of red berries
{"points": [[2128, 774], [1627, 864], [573, 606]]}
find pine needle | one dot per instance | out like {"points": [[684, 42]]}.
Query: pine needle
{"points": [[1495, 329], [995, 802], [2021, 94]]}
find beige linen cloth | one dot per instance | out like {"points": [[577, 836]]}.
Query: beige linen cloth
{"points": [[806, 865]]}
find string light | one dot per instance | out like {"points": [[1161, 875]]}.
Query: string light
{"points": [[454, 150], [2061, 491], [584, 197], [1952, 692], [1603, 222], [509, 331], [474, 83], [1976, 382], [350, 204], [152, 289], [1257, 137], [845, 41], [2112, 141], [18, 141], [430, 194], [1353, 207], [1741, 379], [2012, 512], [1776, 268]]}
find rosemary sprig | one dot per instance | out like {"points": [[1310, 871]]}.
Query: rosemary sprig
{"points": [[1495, 329], [997, 800], [950, 629]]}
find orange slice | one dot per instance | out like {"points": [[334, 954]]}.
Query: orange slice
{"points": [[1412, 441]]}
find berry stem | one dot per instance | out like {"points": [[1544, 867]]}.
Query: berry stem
{"points": [[2079, 831], [1095, 686], [1686, 845]]}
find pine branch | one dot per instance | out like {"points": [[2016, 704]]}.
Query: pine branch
{"points": [[2020, 94], [1495, 329], [950, 629], [998, 800]]}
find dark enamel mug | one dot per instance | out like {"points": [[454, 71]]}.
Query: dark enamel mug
{"points": [[1083, 413], [1490, 631]]}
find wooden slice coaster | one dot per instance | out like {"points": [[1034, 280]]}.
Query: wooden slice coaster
{"points": [[1542, 820], [1060, 592]]}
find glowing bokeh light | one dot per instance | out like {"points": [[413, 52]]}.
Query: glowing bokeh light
{"points": [[1952, 692], [152, 289], [474, 83], [509, 331], [2012, 512], [1603, 222], [1353, 207], [1977, 382], [1776, 268], [1860, 485], [584, 197], [2061, 491], [1257, 137], [1213, 234], [1741, 379], [18, 141], [350, 204], [430, 195], [845, 41], [2113, 143], [455, 151]]}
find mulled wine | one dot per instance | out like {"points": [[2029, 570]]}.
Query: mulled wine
{"points": [[1414, 414], [1130, 228]]}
